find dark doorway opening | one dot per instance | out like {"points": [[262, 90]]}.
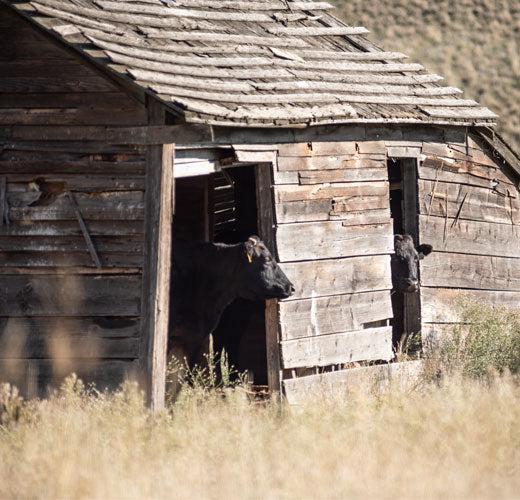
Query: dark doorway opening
{"points": [[222, 207], [402, 177]]}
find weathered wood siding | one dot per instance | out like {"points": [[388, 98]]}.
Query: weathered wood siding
{"points": [[469, 210], [58, 311], [334, 236]]}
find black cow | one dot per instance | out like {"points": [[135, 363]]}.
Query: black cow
{"points": [[405, 263], [207, 277]]}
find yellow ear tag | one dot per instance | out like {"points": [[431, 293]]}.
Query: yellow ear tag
{"points": [[249, 259]]}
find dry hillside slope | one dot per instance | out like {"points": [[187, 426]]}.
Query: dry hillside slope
{"points": [[474, 44]]}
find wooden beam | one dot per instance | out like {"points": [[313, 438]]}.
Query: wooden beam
{"points": [[264, 200], [147, 135], [412, 304], [156, 268]]}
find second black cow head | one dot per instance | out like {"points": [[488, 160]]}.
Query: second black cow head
{"points": [[405, 263], [263, 277]]}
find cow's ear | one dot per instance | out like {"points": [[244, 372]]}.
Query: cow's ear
{"points": [[251, 247], [424, 250]]}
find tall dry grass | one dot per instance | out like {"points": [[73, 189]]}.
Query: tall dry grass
{"points": [[456, 439]]}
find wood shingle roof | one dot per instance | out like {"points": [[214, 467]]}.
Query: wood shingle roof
{"points": [[254, 63]]}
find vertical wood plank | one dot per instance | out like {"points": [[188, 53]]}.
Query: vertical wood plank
{"points": [[156, 265], [264, 200], [412, 305]]}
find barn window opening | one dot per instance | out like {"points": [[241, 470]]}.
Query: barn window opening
{"points": [[222, 207], [402, 178]]}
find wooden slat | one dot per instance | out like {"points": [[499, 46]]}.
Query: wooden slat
{"points": [[66, 228], [165, 12], [480, 204], [365, 77], [352, 211], [363, 345], [339, 276], [160, 134], [265, 217], [270, 41], [336, 190], [67, 260], [321, 240], [345, 175], [462, 172], [312, 31], [338, 385], [479, 112], [442, 305], [70, 295], [260, 6], [107, 205], [453, 270], [471, 237], [82, 16], [77, 338], [337, 313], [332, 162]]}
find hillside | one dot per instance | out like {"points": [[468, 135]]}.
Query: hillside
{"points": [[474, 44]]}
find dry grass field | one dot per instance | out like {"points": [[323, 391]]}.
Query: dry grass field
{"points": [[474, 44], [457, 440], [454, 435]]}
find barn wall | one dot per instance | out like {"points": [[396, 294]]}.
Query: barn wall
{"points": [[58, 312], [469, 210], [334, 237]]}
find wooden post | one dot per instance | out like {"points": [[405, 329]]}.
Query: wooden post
{"points": [[155, 298], [264, 201], [412, 304]]}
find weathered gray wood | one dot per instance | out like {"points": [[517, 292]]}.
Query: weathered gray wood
{"points": [[453, 270], [260, 6], [442, 112], [363, 345], [64, 228], [338, 313], [121, 135], [352, 211], [312, 31], [157, 353], [470, 237], [344, 175], [345, 190], [480, 203], [155, 192], [462, 173], [442, 305], [338, 385], [264, 201], [114, 205], [70, 295], [184, 13], [321, 240], [346, 161], [84, 230], [224, 38], [500, 147], [339, 276], [68, 338], [412, 304]]}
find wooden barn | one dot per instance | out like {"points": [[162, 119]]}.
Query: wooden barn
{"points": [[124, 121]]}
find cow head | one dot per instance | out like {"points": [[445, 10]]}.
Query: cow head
{"points": [[262, 277], [405, 263]]}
